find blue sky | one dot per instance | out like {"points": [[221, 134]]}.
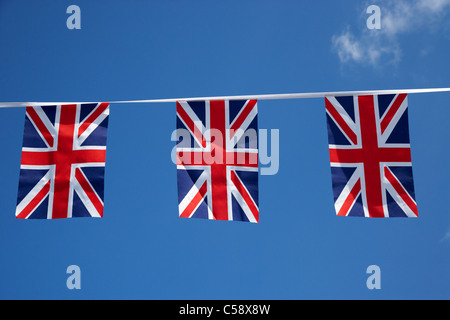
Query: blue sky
{"points": [[141, 249]]}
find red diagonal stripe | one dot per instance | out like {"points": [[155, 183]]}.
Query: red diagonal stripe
{"points": [[392, 111], [94, 115], [340, 121], [348, 203], [90, 192], [242, 116], [190, 124], [187, 212], [35, 202], [401, 191], [245, 195], [32, 114]]}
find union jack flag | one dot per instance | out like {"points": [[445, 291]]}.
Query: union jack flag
{"points": [[370, 156], [217, 160], [63, 161]]}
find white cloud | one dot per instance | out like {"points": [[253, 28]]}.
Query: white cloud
{"points": [[433, 5], [398, 17], [366, 49], [347, 47], [446, 237]]}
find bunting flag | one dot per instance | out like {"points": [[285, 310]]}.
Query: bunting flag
{"points": [[64, 148], [217, 159], [370, 155], [63, 161]]}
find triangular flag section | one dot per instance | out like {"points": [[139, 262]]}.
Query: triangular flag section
{"points": [[63, 161], [370, 155], [217, 159]]}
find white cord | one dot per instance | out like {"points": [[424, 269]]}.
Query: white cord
{"points": [[242, 97]]}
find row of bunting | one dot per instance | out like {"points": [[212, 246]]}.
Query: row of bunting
{"points": [[62, 166]]}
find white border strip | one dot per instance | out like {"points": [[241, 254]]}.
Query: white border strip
{"points": [[243, 97]]}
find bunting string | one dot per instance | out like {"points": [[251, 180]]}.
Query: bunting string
{"points": [[282, 96]]}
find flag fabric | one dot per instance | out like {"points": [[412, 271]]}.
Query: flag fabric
{"points": [[63, 161], [217, 160], [370, 156]]}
